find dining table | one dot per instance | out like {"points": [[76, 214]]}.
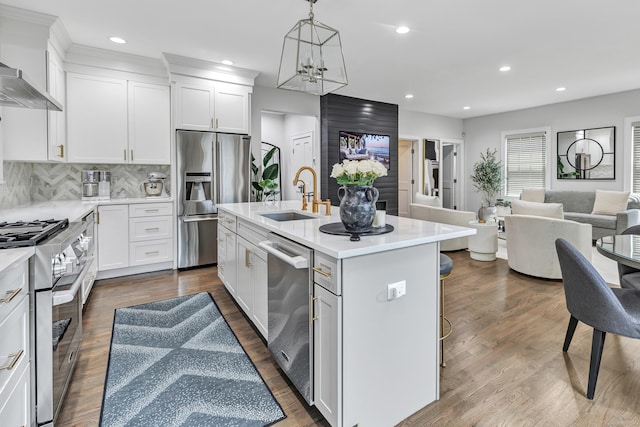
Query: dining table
{"points": [[622, 248]]}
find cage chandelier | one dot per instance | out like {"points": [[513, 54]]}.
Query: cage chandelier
{"points": [[312, 59]]}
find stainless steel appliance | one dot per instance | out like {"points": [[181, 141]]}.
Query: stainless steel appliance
{"points": [[155, 186], [89, 184], [212, 168], [290, 293], [58, 271], [17, 91], [104, 185]]}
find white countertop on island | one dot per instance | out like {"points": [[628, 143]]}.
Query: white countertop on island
{"points": [[9, 257], [407, 232]]}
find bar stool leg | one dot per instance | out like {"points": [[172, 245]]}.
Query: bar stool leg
{"points": [[443, 320]]}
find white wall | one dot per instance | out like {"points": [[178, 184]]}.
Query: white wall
{"points": [[299, 112], [601, 111]]}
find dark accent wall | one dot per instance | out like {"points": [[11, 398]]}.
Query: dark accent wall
{"points": [[343, 113]]}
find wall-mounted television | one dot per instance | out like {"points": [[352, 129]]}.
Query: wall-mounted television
{"points": [[361, 146]]}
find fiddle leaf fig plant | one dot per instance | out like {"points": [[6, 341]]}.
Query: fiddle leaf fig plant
{"points": [[265, 185], [487, 177]]}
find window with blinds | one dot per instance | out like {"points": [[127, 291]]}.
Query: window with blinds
{"points": [[525, 162], [636, 157]]}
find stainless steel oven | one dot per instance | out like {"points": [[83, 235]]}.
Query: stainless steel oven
{"points": [[59, 269]]}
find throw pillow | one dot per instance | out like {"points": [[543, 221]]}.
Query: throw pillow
{"points": [[610, 202], [532, 194], [423, 199], [549, 210]]}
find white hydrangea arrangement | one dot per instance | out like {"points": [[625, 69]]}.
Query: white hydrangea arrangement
{"points": [[358, 172]]}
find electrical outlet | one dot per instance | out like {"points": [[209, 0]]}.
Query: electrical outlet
{"points": [[396, 290]]}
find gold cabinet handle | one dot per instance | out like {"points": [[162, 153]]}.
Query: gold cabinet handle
{"points": [[247, 258], [16, 357], [212, 122], [152, 252], [152, 229], [312, 312], [61, 147], [132, 155], [125, 154], [320, 271], [12, 295], [216, 123], [98, 217]]}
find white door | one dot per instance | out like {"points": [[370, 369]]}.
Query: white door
{"points": [[448, 176], [302, 156], [405, 176]]}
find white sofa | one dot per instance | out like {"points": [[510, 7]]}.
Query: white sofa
{"points": [[444, 216], [531, 243]]}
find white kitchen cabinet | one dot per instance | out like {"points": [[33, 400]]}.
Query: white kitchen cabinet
{"points": [[149, 123], [220, 107], [56, 120], [251, 288], [113, 237], [15, 380], [117, 121], [327, 351], [135, 235], [227, 241]]}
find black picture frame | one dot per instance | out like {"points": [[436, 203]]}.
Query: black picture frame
{"points": [[587, 154]]}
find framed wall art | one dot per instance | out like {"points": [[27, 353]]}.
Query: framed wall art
{"points": [[587, 154]]}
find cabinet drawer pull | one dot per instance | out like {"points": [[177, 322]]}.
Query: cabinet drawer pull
{"points": [[61, 147], [152, 210], [12, 295], [132, 155], [312, 312], [247, 258], [320, 271], [16, 357], [152, 252], [125, 154], [152, 229]]}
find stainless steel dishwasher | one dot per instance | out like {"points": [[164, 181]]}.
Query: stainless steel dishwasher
{"points": [[290, 289]]}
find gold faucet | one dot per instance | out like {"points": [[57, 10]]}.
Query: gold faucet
{"points": [[304, 192], [315, 202]]}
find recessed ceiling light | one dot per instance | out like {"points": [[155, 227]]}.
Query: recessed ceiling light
{"points": [[402, 29], [505, 68], [409, 96], [466, 107], [561, 89], [227, 62], [117, 40]]}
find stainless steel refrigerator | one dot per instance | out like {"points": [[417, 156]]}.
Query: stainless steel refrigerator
{"points": [[212, 168]]}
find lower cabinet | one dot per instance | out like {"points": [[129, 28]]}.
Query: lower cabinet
{"points": [[135, 235], [327, 353], [15, 353], [227, 257], [251, 291]]}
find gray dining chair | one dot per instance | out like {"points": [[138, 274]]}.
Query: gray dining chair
{"points": [[629, 276], [591, 301]]}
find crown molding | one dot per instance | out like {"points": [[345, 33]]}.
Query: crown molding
{"points": [[103, 58], [192, 67], [26, 15]]}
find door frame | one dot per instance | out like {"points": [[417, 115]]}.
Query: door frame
{"points": [[459, 199]]}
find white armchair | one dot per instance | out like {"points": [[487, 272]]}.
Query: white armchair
{"points": [[531, 245]]}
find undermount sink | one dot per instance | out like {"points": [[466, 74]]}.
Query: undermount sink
{"points": [[286, 216]]}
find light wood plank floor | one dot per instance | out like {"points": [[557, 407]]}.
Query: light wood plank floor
{"points": [[505, 365]]}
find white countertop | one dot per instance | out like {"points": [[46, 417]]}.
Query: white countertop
{"points": [[407, 232], [74, 210], [9, 257]]}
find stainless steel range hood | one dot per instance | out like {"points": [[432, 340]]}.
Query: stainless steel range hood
{"points": [[16, 91]]}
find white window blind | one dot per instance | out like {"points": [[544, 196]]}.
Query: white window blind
{"points": [[636, 157], [525, 162]]}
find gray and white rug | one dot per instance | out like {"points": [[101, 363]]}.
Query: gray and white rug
{"points": [[177, 363]]}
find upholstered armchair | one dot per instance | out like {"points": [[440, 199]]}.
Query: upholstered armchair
{"points": [[531, 243]]}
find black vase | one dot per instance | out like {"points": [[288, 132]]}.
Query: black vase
{"points": [[357, 207]]}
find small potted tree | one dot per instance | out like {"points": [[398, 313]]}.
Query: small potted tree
{"points": [[487, 179]]}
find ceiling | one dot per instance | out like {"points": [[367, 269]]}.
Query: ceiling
{"points": [[449, 59]]}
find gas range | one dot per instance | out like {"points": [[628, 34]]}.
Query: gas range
{"points": [[29, 233]]}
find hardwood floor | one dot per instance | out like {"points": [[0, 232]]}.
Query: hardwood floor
{"points": [[505, 365]]}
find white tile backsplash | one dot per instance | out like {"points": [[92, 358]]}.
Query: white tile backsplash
{"points": [[40, 182]]}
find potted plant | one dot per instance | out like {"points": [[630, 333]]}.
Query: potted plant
{"points": [[265, 185], [487, 179]]}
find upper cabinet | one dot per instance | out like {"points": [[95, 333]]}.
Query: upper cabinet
{"points": [[34, 43], [220, 107], [117, 121]]}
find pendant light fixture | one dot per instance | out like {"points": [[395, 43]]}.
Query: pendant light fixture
{"points": [[312, 59]]}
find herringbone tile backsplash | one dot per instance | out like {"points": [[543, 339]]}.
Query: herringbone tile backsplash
{"points": [[39, 182]]}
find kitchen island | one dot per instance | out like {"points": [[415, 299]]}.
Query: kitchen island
{"points": [[374, 307]]}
